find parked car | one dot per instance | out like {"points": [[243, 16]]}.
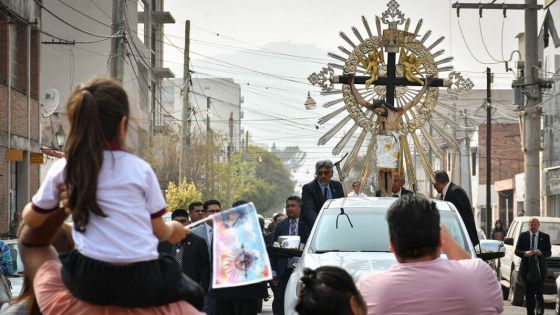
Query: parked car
{"points": [[16, 278], [509, 264], [352, 233]]}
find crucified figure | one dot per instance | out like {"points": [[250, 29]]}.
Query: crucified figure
{"points": [[388, 150], [389, 115]]}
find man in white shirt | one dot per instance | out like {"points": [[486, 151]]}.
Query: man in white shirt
{"points": [[356, 190], [422, 282]]}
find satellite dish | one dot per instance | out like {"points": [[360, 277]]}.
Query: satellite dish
{"points": [[49, 102]]}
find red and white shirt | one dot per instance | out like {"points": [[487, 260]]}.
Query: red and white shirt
{"points": [[129, 194]]}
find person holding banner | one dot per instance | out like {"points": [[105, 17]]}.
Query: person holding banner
{"points": [[205, 231], [242, 299], [116, 205], [42, 265]]}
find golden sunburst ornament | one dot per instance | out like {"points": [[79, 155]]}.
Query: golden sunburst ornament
{"points": [[389, 98]]}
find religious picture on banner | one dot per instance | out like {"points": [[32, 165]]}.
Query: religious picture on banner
{"points": [[387, 152], [240, 255]]}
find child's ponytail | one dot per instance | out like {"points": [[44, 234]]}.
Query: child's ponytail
{"points": [[95, 112]]}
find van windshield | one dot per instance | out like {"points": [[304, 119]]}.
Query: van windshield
{"points": [[370, 232], [550, 228]]}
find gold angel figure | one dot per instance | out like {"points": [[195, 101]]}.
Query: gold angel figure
{"points": [[371, 64], [411, 65]]}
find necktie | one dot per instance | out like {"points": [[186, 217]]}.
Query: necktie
{"points": [[293, 231], [211, 243], [293, 227], [179, 252], [325, 194], [533, 239], [396, 195]]}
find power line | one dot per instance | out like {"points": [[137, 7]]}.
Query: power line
{"points": [[73, 26], [469, 49], [83, 14], [484, 42]]}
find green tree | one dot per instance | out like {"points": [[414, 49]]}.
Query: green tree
{"points": [[276, 184], [292, 156]]}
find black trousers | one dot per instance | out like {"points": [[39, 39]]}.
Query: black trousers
{"points": [[237, 307], [279, 290], [534, 293]]}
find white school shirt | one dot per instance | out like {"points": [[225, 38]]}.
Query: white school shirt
{"points": [[128, 192]]}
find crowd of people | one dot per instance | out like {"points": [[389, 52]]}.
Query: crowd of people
{"points": [[121, 257]]}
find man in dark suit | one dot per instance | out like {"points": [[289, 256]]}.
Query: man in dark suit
{"points": [[191, 253], [533, 247], [457, 196], [282, 267], [397, 189], [322, 188]]}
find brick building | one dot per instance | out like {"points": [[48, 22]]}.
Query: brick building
{"points": [[507, 161], [19, 109]]}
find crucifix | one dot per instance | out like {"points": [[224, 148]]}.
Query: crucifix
{"points": [[395, 110]]}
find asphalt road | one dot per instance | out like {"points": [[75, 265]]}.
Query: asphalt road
{"points": [[520, 310]]}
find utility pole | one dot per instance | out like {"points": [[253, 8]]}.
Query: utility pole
{"points": [[468, 159], [532, 119], [186, 113], [488, 150], [456, 157], [117, 50], [209, 157], [229, 154], [532, 114]]}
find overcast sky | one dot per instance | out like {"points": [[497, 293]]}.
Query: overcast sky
{"points": [[288, 40]]}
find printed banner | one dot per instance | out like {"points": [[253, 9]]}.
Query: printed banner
{"points": [[387, 152], [240, 255]]}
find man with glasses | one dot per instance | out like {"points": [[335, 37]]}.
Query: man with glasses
{"points": [[322, 188], [196, 211], [191, 253], [205, 231]]}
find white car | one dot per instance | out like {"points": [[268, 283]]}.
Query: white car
{"points": [[509, 264], [352, 233]]}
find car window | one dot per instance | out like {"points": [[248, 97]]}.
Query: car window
{"points": [[16, 259], [553, 230], [512, 229], [369, 232], [524, 227]]}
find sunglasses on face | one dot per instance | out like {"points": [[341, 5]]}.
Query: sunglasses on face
{"points": [[182, 221], [321, 173]]}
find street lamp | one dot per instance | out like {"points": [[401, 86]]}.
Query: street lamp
{"points": [[310, 102], [60, 137]]}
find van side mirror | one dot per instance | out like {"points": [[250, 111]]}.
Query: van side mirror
{"points": [[508, 241]]}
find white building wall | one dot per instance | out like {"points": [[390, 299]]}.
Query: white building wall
{"points": [[225, 99], [65, 66]]}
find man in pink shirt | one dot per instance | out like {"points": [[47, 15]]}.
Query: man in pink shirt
{"points": [[43, 266], [422, 282]]}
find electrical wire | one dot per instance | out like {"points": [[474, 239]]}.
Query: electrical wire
{"points": [[73, 26], [484, 42], [469, 49], [83, 14], [40, 30]]}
